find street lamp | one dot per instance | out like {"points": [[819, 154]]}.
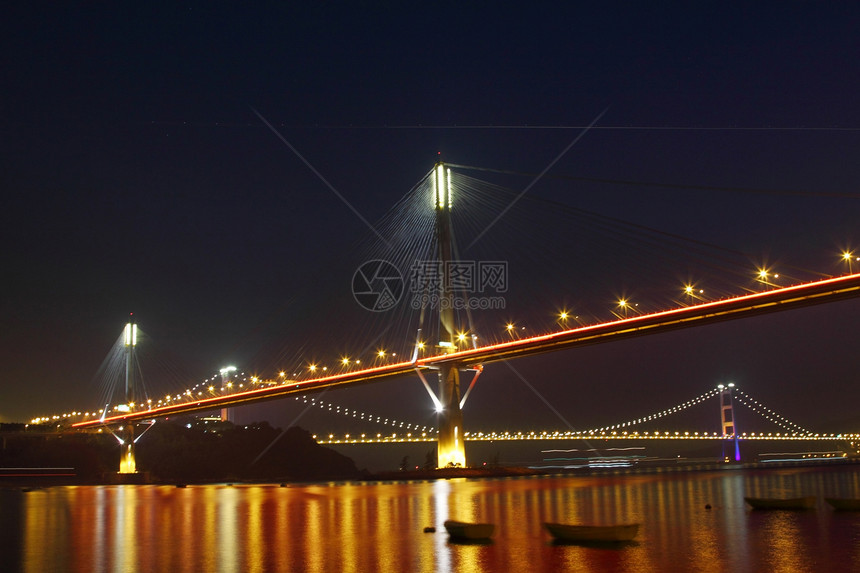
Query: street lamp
{"points": [[848, 256], [562, 319], [692, 292], [764, 277]]}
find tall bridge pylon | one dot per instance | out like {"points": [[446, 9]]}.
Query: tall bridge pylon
{"points": [[451, 450], [727, 418], [226, 386], [127, 463]]}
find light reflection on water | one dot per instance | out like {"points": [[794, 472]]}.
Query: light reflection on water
{"points": [[356, 527]]}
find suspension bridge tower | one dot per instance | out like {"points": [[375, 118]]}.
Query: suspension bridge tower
{"points": [[451, 449], [127, 464], [727, 418]]}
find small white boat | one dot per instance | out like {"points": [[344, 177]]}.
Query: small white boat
{"points": [[592, 533], [469, 531], [781, 503], [844, 504]]}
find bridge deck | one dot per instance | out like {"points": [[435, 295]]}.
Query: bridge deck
{"points": [[779, 299]]}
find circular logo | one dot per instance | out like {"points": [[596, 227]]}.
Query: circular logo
{"points": [[377, 285]]}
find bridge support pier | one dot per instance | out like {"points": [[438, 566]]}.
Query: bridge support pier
{"points": [[451, 450], [127, 463]]}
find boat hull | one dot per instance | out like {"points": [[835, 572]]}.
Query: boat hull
{"points": [[781, 503], [469, 531], [592, 533], [843, 504]]}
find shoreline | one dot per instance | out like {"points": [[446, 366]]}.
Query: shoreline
{"points": [[143, 478]]}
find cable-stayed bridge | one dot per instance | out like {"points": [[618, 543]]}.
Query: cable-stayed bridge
{"points": [[451, 346], [818, 292]]}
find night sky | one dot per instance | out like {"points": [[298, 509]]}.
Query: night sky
{"points": [[138, 176]]}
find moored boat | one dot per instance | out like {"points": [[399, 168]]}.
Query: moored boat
{"points": [[592, 533], [844, 504], [781, 503], [469, 531]]}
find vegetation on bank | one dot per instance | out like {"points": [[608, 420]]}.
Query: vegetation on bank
{"points": [[187, 451]]}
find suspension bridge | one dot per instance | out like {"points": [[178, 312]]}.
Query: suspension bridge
{"points": [[452, 347], [719, 402]]}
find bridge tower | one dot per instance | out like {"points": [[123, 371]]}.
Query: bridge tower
{"points": [[451, 450], [226, 386], [727, 418], [127, 464]]}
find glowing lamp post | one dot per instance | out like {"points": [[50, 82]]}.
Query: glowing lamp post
{"points": [[562, 319], [848, 257]]}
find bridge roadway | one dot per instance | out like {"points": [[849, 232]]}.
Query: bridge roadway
{"points": [[777, 299], [409, 437]]}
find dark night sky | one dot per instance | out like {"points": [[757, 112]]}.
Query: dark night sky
{"points": [[137, 178]]}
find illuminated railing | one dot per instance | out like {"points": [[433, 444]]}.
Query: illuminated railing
{"points": [[559, 435]]}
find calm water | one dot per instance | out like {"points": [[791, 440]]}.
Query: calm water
{"points": [[379, 526]]}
